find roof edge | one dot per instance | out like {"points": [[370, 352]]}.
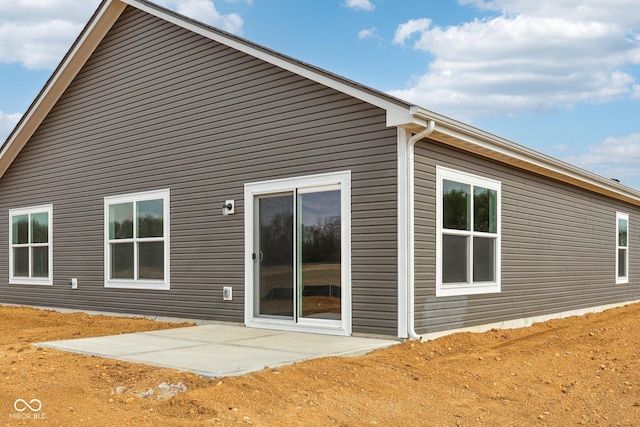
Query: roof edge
{"points": [[102, 20], [472, 139], [395, 107]]}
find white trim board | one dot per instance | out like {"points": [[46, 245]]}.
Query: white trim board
{"points": [[525, 321]]}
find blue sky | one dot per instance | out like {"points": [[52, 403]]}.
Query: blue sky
{"points": [[559, 76]]}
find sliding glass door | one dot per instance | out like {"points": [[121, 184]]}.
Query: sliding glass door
{"points": [[298, 253]]}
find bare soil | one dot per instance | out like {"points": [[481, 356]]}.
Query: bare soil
{"points": [[575, 371]]}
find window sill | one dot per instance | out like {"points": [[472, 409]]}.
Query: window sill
{"points": [[461, 290], [27, 281], [138, 284]]}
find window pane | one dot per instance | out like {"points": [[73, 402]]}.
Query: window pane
{"points": [[40, 227], [485, 210], [151, 260], [319, 266], [122, 260], [484, 259], [622, 232], [20, 224], [121, 221], [21, 262], [275, 256], [456, 205], [455, 255], [622, 262], [150, 218], [40, 262]]}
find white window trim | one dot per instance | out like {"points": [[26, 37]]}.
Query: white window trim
{"points": [[445, 290], [622, 279], [138, 283], [327, 181], [48, 281]]}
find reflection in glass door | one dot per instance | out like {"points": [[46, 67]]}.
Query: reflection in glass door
{"points": [[274, 256], [298, 255], [319, 272]]}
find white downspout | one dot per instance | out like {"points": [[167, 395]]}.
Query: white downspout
{"points": [[411, 142]]}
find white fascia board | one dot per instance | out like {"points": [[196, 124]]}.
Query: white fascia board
{"points": [[452, 132], [91, 36], [396, 111], [402, 117]]}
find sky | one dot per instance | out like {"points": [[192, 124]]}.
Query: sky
{"points": [[559, 76]]}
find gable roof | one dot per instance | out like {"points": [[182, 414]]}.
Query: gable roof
{"points": [[399, 113]]}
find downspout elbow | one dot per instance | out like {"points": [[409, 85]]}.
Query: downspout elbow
{"points": [[411, 142], [422, 134]]}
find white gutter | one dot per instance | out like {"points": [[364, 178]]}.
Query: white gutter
{"points": [[411, 143], [487, 145]]}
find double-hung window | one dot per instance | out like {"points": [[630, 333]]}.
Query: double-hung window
{"points": [[31, 247], [468, 233], [622, 248], [137, 240]]}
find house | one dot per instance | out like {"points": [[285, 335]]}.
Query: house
{"points": [[171, 169]]}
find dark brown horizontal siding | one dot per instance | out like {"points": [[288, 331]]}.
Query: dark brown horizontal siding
{"points": [[558, 247], [159, 107]]}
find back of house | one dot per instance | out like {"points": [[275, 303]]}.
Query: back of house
{"points": [[170, 169]]}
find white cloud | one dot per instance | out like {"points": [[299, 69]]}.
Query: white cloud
{"points": [[532, 56], [37, 33], [30, 10], [409, 28], [368, 33], [620, 11], [360, 4], [205, 11], [7, 123], [614, 157]]}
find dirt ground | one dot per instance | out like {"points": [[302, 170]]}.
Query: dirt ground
{"points": [[575, 371]]}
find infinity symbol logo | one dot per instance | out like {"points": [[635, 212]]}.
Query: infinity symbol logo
{"points": [[21, 403]]}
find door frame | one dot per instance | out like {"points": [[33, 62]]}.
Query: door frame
{"points": [[251, 190]]}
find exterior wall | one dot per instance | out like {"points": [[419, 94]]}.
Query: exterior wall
{"points": [[558, 247], [159, 107]]}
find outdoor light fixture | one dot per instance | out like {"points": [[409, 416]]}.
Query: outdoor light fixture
{"points": [[228, 208]]}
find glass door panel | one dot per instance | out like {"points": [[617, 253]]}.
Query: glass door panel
{"points": [[319, 244], [275, 256]]}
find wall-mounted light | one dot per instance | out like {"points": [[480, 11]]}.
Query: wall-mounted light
{"points": [[228, 208]]}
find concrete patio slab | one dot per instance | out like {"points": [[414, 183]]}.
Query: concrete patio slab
{"points": [[219, 350], [218, 360], [116, 346]]}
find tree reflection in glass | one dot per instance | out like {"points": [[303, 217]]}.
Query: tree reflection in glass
{"points": [[319, 247]]}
